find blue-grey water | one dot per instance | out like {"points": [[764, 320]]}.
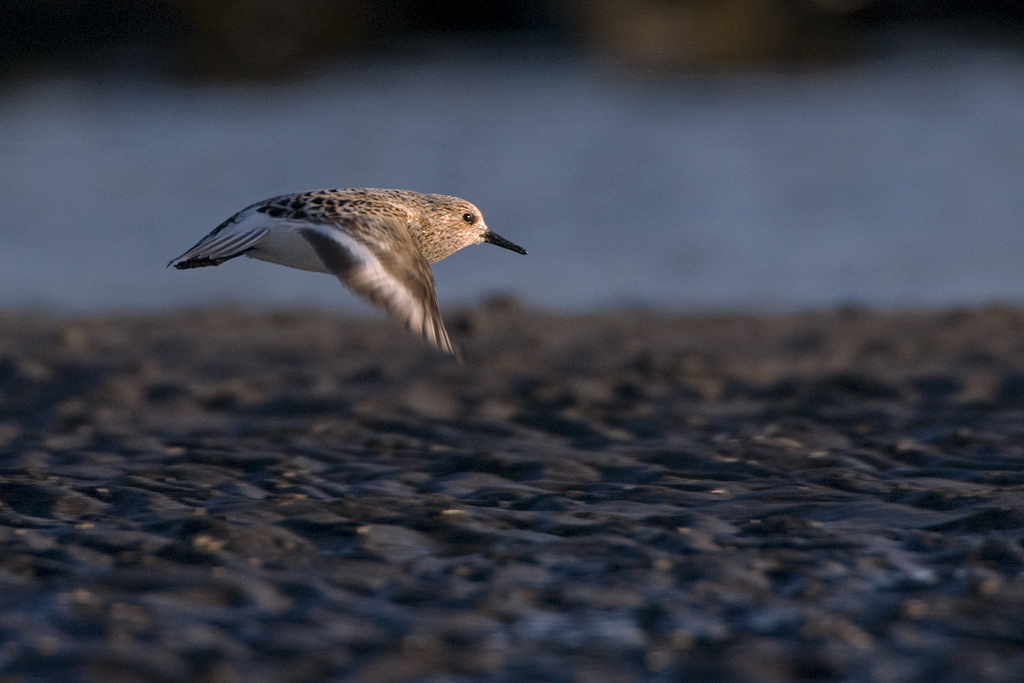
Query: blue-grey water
{"points": [[889, 183]]}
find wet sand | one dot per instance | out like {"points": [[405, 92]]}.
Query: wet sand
{"points": [[224, 496]]}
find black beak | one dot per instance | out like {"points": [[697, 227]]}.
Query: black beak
{"points": [[491, 238]]}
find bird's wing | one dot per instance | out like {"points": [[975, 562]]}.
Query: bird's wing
{"points": [[215, 249], [378, 259]]}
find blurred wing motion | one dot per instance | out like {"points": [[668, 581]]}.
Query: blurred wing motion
{"points": [[375, 257], [390, 273]]}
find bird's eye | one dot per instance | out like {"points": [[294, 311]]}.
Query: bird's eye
{"points": [[469, 218]]}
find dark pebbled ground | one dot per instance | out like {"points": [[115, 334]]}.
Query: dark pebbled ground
{"points": [[225, 497]]}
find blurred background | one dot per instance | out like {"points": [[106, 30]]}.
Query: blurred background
{"points": [[672, 154]]}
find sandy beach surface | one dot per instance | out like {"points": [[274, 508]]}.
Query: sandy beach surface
{"points": [[223, 496]]}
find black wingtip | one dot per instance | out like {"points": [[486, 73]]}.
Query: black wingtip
{"points": [[196, 263]]}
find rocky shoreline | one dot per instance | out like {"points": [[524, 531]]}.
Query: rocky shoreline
{"points": [[228, 496]]}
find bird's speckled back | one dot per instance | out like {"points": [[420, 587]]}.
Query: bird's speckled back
{"points": [[441, 225]]}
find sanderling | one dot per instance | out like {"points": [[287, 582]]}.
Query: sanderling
{"points": [[378, 242]]}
